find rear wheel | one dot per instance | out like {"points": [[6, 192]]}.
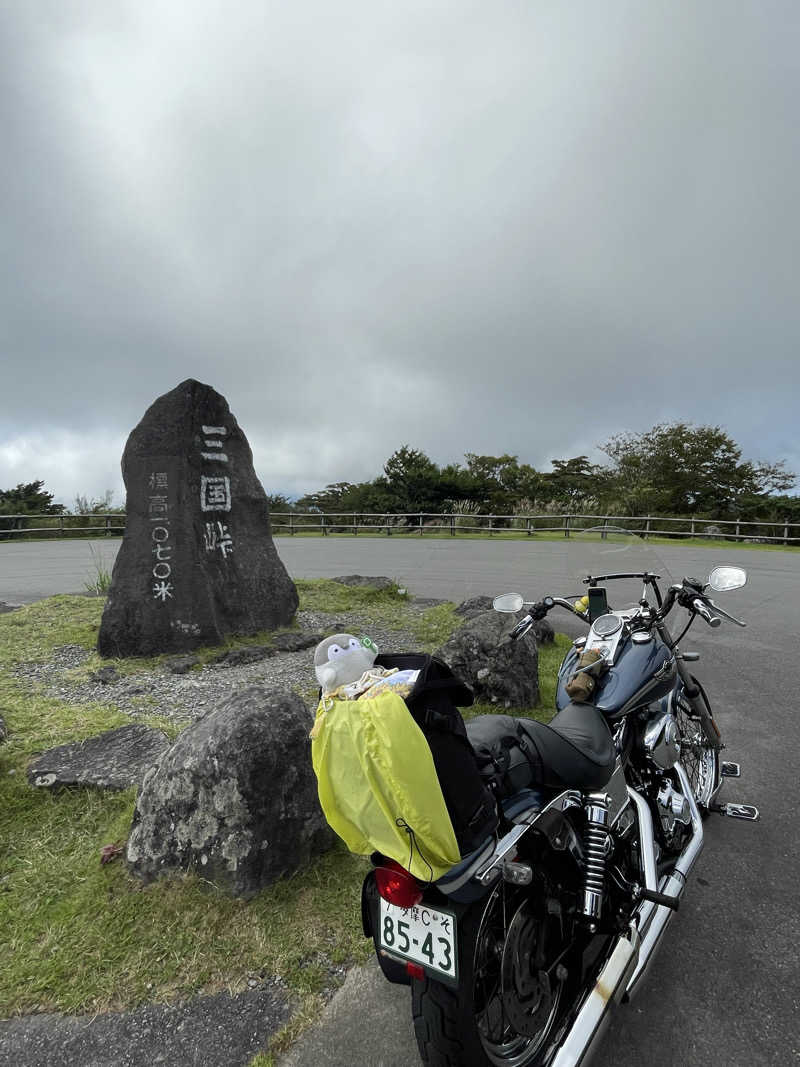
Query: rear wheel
{"points": [[507, 1008]]}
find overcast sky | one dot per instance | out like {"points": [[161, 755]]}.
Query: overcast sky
{"points": [[490, 227]]}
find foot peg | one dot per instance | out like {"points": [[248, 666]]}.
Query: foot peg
{"points": [[739, 811], [730, 770], [663, 899]]}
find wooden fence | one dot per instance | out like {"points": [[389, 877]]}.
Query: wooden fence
{"points": [[421, 523]]}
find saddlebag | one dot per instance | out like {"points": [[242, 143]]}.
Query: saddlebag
{"points": [[399, 775], [507, 759], [434, 702]]}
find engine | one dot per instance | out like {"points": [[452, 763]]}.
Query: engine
{"points": [[661, 740]]}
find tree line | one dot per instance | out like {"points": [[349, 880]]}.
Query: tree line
{"points": [[675, 469]]}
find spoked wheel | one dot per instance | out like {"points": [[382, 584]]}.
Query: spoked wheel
{"points": [[698, 758], [508, 1006]]}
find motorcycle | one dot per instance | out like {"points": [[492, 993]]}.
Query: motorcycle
{"points": [[517, 954]]}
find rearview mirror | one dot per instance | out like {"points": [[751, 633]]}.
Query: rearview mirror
{"points": [[508, 602], [722, 579]]}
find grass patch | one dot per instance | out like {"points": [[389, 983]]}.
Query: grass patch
{"points": [[323, 594], [440, 533], [82, 937]]}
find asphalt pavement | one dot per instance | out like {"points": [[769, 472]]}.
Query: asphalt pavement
{"points": [[725, 987]]}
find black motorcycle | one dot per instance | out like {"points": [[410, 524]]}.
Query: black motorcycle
{"points": [[515, 956]]}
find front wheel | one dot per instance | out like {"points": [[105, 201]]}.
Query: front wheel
{"points": [[699, 758], [507, 1009]]}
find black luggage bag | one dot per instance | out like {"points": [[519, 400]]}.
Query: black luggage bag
{"points": [[434, 702]]}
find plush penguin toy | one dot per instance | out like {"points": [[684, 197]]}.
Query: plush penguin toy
{"points": [[342, 659]]}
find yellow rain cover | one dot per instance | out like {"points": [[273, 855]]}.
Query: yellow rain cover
{"points": [[373, 768]]}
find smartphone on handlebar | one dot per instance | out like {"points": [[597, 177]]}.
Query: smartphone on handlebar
{"points": [[598, 602]]}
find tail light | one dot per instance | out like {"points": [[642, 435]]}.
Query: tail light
{"points": [[396, 885]]}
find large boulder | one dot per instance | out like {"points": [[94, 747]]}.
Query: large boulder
{"points": [[477, 605], [498, 671], [197, 562], [116, 759], [235, 798]]}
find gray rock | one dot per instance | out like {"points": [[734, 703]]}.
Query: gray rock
{"points": [[237, 657], [475, 605], [105, 676], [5, 608], [117, 759], [498, 671], [543, 631], [181, 664], [713, 531], [295, 642], [361, 579], [197, 562], [235, 798]]}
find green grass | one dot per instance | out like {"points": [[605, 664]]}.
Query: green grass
{"points": [[83, 937], [439, 533]]}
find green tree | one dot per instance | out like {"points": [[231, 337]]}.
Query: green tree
{"points": [[412, 482], [28, 499], [677, 468], [575, 484]]}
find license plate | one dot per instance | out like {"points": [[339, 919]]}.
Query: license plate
{"points": [[424, 935]]}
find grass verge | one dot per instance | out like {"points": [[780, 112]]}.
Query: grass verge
{"points": [[83, 937]]}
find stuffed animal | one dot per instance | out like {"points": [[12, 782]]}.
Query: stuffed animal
{"points": [[343, 659]]}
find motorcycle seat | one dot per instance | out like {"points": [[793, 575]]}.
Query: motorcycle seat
{"points": [[578, 745]]}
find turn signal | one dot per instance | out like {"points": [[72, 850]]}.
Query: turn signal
{"points": [[397, 886]]}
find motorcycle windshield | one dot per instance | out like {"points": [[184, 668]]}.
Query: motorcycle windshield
{"points": [[612, 550]]}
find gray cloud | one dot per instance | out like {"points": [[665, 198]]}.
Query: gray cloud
{"points": [[509, 228]]}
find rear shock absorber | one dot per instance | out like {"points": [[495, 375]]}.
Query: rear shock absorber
{"points": [[595, 848]]}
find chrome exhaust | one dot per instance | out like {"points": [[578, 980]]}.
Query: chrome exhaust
{"points": [[632, 953], [578, 1047], [653, 919]]}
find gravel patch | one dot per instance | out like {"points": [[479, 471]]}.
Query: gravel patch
{"points": [[186, 697], [219, 1031]]}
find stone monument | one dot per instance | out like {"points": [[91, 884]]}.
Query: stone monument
{"points": [[197, 561]]}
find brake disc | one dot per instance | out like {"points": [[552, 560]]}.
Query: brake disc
{"points": [[527, 993]]}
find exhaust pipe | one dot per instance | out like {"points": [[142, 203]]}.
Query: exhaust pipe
{"points": [[590, 1025], [633, 951], [672, 885]]}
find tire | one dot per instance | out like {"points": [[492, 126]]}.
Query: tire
{"points": [[506, 1010], [699, 758]]}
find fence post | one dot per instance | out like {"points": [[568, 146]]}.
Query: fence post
{"points": [[355, 525], [604, 534], [452, 525], [647, 528], [566, 525], [420, 524], [322, 524], [692, 534], [528, 526], [388, 527], [738, 522], [108, 525], [491, 517], [786, 534]]}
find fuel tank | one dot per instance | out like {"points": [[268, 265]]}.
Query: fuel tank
{"points": [[642, 672]]}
